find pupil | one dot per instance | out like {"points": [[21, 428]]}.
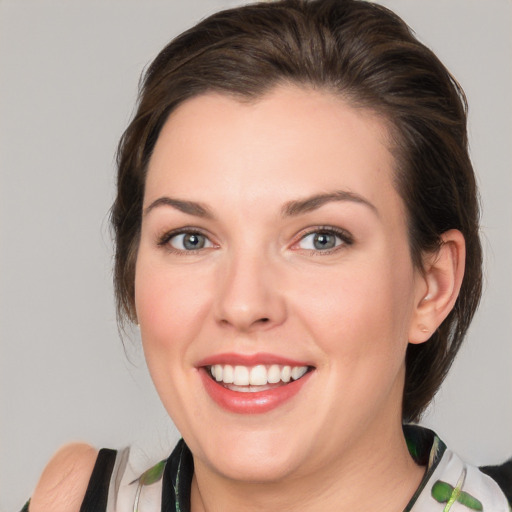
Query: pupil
{"points": [[193, 241], [324, 241]]}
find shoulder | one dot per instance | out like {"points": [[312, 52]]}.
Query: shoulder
{"points": [[502, 474], [64, 481]]}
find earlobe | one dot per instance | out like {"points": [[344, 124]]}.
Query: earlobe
{"points": [[442, 279]]}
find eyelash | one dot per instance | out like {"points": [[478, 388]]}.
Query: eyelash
{"points": [[345, 237], [164, 240]]}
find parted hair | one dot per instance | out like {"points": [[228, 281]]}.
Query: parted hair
{"points": [[368, 56]]}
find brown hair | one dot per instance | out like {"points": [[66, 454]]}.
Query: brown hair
{"points": [[366, 54]]}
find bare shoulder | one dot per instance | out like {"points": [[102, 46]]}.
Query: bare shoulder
{"points": [[64, 481]]}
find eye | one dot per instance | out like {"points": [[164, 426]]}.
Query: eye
{"points": [[324, 240], [187, 241]]}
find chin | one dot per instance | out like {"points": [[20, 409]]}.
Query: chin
{"points": [[266, 468], [254, 457]]}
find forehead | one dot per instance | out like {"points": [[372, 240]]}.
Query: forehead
{"points": [[292, 140]]}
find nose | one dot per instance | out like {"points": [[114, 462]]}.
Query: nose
{"points": [[249, 296]]}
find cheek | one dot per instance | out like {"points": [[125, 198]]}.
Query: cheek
{"points": [[361, 314], [170, 309], [169, 306]]}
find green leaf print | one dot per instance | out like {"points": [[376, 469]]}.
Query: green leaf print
{"points": [[413, 449], [444, 493], [153, 474]]}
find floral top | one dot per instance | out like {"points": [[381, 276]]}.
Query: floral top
{"points": [[449, 484]]}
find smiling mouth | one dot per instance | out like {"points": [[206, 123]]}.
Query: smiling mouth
{"points": [[253, 379]]}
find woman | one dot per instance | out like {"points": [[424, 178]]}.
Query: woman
{"points": [[297, 238]]}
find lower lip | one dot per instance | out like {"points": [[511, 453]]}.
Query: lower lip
{"points": [[251, 403]]}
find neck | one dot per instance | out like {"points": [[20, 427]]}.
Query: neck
{"points": [[380, 462]]}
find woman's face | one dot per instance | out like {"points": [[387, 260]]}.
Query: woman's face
{"points": [[274, 242]]}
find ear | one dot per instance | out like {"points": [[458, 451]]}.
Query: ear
{"points": [[438, 286]]}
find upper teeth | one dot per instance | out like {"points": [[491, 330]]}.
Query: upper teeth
{"points": [[259, 375]]}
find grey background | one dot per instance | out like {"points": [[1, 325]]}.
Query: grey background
{"points": [[68, 79]]}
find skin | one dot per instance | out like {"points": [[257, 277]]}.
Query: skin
{"points": [[259, 285]]}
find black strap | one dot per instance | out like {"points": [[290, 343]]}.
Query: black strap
{"points": [[96, 496], [502, 474]]}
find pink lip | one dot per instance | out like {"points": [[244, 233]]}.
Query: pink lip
{"points": [[251, 403], [249, 360]]}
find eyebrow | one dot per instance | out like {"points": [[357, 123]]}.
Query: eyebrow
{"points": [[190, 207], [290, 209], [294, 208]]}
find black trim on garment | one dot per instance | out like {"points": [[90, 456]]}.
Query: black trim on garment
{"points": [[177, 480], [420, 441], [96, 496]]}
